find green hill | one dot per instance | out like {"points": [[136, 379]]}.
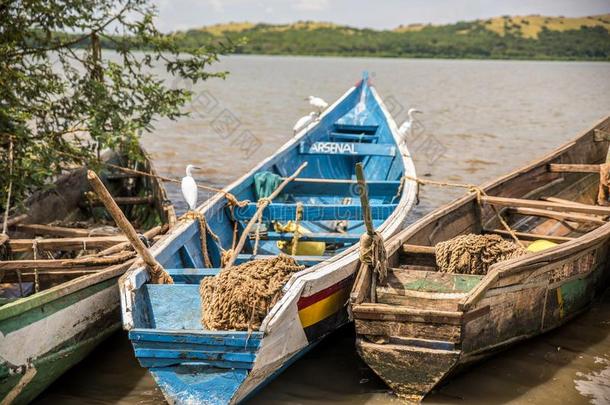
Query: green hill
{"points": [[517, 37]]}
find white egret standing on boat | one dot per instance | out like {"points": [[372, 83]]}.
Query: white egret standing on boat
{"points": [[317, 103], [189, 188], [407, 126], [304, 121]]}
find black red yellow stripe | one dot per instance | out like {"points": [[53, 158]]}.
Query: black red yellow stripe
{"points": [[324, 311]]}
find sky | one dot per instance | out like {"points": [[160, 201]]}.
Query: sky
{"points": [[183, 14]]}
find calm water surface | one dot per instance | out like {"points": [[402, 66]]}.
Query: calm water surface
{"points": [[481, 119]]}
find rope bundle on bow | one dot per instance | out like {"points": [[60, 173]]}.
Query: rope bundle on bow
{"points": [[373, 254]]}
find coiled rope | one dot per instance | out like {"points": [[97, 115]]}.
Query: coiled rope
{"points": [[474, 254], [240, 297], [479, 193]]}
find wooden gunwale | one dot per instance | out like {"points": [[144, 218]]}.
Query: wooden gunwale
{"points": [[43, 297], [518, 264]]}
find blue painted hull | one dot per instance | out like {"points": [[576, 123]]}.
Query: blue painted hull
{"points": [[195, 365]]}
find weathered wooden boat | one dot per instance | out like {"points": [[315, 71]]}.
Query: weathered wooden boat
{"points": [[59, 296], [422, 325], [196, 365]]}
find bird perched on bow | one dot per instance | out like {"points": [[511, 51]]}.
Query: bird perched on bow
{"points": [[304, 121], [189, 188], [317, 103], [407, 126]]}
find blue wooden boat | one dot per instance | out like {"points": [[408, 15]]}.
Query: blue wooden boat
{"points": [[194, 365]]}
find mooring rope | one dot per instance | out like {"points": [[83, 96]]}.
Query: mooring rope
{"points": [[479, 193], [231, 199], [373, 254], [261, 203], [204, 230], [297, 222]]}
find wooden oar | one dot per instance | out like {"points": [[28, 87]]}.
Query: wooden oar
{"points": [[259, 211], [158, 274]]}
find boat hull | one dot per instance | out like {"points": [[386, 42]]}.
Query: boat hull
{"points": [[427, 325], [313, 301], [498, 322], [38, 345]]}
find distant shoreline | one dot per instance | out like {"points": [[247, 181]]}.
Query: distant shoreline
{"points": [[350, 56]]}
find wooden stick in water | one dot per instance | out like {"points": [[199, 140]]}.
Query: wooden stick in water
{"points": [[158, 274], [259, 211]]}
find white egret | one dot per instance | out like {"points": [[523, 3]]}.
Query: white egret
{"points": [[189, 188], [317, 103], [405, 128], [304, 121]]}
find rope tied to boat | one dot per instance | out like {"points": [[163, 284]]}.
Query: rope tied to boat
{"points": [[239, 297], [297, 223], [479, 192], [204, 230], [474, 254], [261, 204], [373, 254]]}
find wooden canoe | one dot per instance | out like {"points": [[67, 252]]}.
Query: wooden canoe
{"points": [[424, 325], [194, 365], [47, 328]]}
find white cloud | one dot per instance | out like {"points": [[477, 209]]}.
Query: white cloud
{"points": [[217, 5], [311, 5]]}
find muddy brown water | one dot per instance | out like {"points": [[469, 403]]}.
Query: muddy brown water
{"points": [[481, 119]]}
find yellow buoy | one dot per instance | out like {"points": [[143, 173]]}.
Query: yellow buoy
{"points": [[540, 244]]}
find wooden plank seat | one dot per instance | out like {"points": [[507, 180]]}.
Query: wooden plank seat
{"points": [[348, 148], [329, 237], [547, 205], [355, 129], [573, 168], [326, 212], [66, 244], [340, 136], [340, 187], [425, 289], [192, 275], [146, 200], [303, 260]]}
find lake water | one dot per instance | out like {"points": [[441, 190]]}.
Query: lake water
{"points": [[481, 119]]}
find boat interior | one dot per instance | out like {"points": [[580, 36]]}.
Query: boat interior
{"points": [[67, 233], [549, 203], [325, 196]]}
